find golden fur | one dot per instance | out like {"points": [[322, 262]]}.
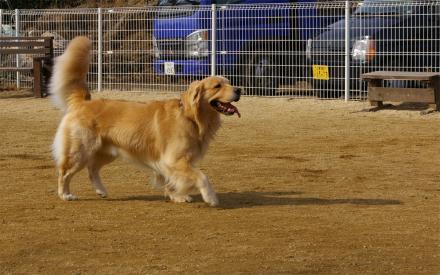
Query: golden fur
{"points": [[170, 136]]}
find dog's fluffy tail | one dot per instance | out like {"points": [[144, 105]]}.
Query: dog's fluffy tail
{"points": [[68, 83]]}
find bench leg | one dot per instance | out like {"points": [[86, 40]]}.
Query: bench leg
{"points": [[435, 85], [375, 83], [38, 77]]}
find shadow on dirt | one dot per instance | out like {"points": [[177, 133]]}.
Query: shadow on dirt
{"points": [[4, 94], [234, 200], [423, 108], [139, 198], [23, 156]]}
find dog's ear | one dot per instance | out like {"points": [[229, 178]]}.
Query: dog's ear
{"points": [[192, 99], [195, 92], [191, 95]]}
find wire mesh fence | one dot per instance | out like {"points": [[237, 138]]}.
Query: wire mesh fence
{"points": [[63, 25], [7, 27], [314, 49], [396, 36]]}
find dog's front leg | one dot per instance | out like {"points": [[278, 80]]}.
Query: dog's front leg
{"points": [[206, 190], [159, 182], [184, 179], [177, 197]]}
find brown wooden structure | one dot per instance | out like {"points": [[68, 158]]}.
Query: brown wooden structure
{"points": [[377, 94], [41, 51]]}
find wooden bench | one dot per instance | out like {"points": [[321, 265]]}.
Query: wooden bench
{"points": [[377, 94], [40, 49]]}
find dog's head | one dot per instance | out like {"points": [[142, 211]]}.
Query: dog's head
{"points": [[215, 92]]}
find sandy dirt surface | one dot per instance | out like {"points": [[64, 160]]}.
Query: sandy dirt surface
{"points": [[306, 187]]}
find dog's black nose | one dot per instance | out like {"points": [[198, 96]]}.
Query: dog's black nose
{"points": [[237, 92]]}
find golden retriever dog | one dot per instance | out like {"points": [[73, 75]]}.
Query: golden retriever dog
{"points": [[169, 136]]}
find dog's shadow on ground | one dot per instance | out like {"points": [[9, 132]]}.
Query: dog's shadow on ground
{"points": [[250, 199], [422, 108], [5, 94], [237, 200]]}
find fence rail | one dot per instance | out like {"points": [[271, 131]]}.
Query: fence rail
{"points": [[295, 50]]}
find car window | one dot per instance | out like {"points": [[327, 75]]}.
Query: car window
{"points": [[229, 1], [379, 7], [178, 2], [195, 2]]}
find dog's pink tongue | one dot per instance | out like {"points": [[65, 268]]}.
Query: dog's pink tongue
{"points": [[232, 109], [237, 112]]}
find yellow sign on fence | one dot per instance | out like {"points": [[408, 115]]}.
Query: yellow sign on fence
{"points": [[320, 72]]}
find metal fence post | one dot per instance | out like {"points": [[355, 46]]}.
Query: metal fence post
{"points": [[99, 49], [17, 34], [1, 22], [213, 38], [347, 50], [1, 25]]}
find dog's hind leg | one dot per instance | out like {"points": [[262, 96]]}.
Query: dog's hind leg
{"points": [[69, 156], [71, 153], [67, 170], [94, 165]]}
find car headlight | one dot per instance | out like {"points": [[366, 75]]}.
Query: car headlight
{"points": [[309, 49], [197, 44], [364, 50], [155, 48]]}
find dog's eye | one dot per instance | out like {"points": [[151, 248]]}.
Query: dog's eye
{"points": [[217, 86]]}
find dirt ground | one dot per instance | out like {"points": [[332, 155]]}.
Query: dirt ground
{"points": [[306, 187]]}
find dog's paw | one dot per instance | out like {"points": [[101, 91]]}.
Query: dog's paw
{"points": [[189, 199], [209, 196], [68, 197], [181, 198], [101, 193], [212, 200]]}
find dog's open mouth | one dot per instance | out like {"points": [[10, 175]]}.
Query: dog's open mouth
{"points": [[225, 108]]}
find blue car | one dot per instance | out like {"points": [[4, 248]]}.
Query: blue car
{"points": [[403, 36], [252, 43]]}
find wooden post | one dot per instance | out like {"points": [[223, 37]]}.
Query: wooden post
{"points": [[38, 79], [47, 66]]}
